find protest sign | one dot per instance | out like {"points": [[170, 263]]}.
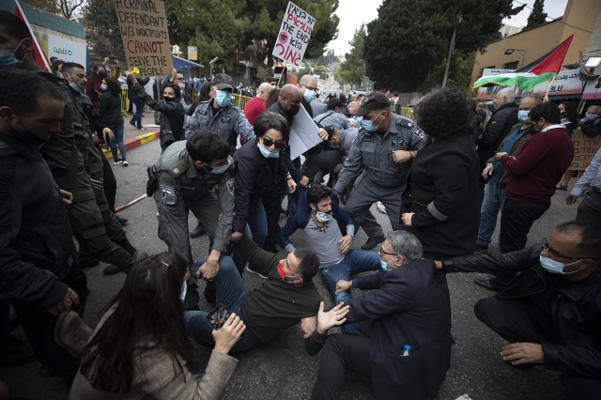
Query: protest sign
{"points": [[295, 32], [145, 36], [303, 134], [585, 149]]}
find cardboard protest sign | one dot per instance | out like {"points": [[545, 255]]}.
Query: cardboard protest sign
{"points": [[145, 36], [585, 149], [295, 32], [303, 134]]}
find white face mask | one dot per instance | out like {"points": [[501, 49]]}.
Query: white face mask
{"points": [[323, 217]]}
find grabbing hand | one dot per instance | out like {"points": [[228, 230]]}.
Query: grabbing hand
{"points": [[487, 172], [228, 335], [346, 243], [334, 317], [524, 353], [291, 185], [307, 326], [337, 169], [498, 156], [304, 182], [67, 197], [95, 184], [571, 199], [107, 132], [209, 269], [95, 138], [343, 286], [407, 218], [323, 134], [236, 236], [71, 298], [401, 156]]}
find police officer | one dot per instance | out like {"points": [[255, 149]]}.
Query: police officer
{"points": [[382, 148], [220, 116], [183, 179]]}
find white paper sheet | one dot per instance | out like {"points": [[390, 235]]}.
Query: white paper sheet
{"points": [[303, 134]]}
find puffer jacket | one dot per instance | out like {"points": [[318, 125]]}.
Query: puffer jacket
{"points": [[576, 311]]}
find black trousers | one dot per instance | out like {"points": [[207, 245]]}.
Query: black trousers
{"points": [[590, 207], [510, 319], [341, 354], [481, 181], [516, 221], [38, 324], [272, 205]]}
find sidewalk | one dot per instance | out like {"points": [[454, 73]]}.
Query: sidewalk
{"points": [[133, 137]]}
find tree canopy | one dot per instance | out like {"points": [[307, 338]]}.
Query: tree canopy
{"points": [[102, 28], [411, 37], [353, 68], [537, 16]]}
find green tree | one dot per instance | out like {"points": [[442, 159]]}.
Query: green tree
{"points": [[102, 29], [44, 5], [537, 16], [353, 68], [411, 37], [460, 73]]}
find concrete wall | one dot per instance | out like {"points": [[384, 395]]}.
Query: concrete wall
{"points": [[594, 46], [539, 41]]}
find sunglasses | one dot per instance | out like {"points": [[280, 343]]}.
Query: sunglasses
{"points": [[269, 142], [559, 255]]}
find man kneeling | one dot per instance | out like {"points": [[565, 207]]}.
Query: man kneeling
{"points": [[408, 352], [551, 311]]}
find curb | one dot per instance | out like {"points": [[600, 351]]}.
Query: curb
{"points": [[134, 142]]}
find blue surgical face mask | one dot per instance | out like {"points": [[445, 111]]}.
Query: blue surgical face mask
{"points": [[9, 59], [523, 115], [555, 267], [220, 170], [368, 125], [103, 87], [182, 296], [322, 217], [309, 95], [268, 154], [223, 97], [384, 266], [76, 88], [335, 147]]}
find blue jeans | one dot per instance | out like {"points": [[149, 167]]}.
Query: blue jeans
{"points": [[492, 204], [137, 118], [257, 222], [230, 292], [118, 141], [355, 261]]}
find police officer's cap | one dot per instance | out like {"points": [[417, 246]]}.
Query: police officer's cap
{"points": [[374, 101], [223, 81], [333, 103]]}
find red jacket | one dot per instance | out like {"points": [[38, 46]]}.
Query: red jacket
{"points": [[540, 165]]}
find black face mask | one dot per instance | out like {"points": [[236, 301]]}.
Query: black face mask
{"points": [[102, 74], [293, 110], [168, 99], [28, 138]]}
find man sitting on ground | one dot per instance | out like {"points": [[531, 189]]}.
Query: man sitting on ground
{"points": [[550, 312], [337, 261]]}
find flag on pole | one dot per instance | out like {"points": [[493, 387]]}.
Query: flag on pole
{"points": [[536, 73], [40, 57]]}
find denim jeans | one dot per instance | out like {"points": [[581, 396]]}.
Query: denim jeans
{"points": [[137, 118], [117, 141], [257, 222], [492, 204], [230, 292], [355, 261]]}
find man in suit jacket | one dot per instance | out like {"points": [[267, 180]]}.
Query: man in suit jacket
{"points": [[410, 328]]}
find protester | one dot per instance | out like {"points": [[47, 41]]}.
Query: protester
{"points": [[382, 149], [592, 121], [318, 106], [256, 105], [333, 116], [259, 163], [496, 175], [170, 109], [590, 207], [503, 118], [143, 326], [440, 200], [337, 261], [220, 115], [207, 92], [94, 84], [57, 67], [408, 351], [548, 313], [136, 120], [476, 121], [110, 115], [569, 118], [326, 157], [39, 276], [198, 84], [307, 85]]}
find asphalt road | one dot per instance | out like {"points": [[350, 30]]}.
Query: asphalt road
{"points": [[282, 369]]}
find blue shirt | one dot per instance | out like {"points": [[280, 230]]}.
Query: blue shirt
{"points": [[506, 148], [591, 177]]}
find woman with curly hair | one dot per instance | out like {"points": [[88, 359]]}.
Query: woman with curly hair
{"points": [[441, 202]]}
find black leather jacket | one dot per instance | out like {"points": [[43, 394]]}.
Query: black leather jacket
{"points": [[576, 311]]}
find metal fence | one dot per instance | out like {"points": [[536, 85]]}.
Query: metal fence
{"points": [[237, 100], [406, 112], [124, 102]]}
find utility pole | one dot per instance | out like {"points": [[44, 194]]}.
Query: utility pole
{"points": [[451, 48]]}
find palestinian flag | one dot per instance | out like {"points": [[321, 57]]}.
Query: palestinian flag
{"points": [[527, 78], [40, 57]]}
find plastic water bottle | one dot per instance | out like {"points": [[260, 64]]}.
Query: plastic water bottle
{"points": [[407, 351]]}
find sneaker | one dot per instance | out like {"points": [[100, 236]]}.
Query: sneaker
{"points": [[372, 243], [14, 350], [132, 123], [480, 248], [255, 272], [111, 270], [141, 129], [125, 163], [117, 161]]}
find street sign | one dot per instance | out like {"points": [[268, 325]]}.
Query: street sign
{"points": [[192, 53], [295, 32]]}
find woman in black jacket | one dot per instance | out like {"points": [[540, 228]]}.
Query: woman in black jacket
{"points": [[170, 108], [257, 199], [441, 203]]}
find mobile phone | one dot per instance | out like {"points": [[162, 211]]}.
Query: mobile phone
{"points": [[218, 316]]}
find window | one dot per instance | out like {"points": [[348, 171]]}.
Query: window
{"points": [[512, 65]]}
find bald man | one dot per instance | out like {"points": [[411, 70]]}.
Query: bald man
{"points": [[307, 86]]}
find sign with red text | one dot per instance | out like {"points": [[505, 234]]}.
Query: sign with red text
{"points": [[143, 26], [295, 32], [585, 149]]}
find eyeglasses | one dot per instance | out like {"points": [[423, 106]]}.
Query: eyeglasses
{"points": [[559, 255], [309, 87], [385, 252], [269, 142]]}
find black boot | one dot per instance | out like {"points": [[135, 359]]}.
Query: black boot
{"points": [[197, 232], [127, 246]]}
